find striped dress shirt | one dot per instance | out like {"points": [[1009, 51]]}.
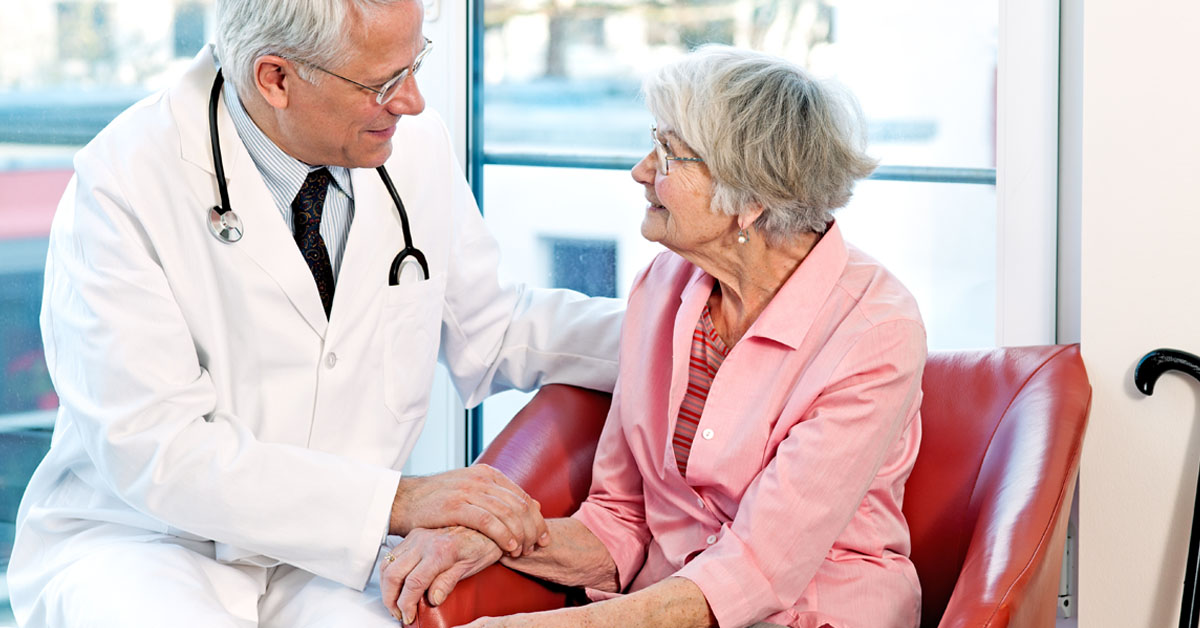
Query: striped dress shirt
{"points": [[284, 175]]}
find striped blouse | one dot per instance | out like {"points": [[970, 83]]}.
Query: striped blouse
{"points": [[708, 352]]}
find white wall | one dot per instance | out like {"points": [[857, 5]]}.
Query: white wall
{"points": [[1140, 186]]}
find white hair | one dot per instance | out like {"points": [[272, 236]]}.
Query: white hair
{"points": [[307, 30], [769, 133]]}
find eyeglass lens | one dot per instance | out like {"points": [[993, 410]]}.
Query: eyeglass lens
{"points": [[392, 88], [660, 152]]}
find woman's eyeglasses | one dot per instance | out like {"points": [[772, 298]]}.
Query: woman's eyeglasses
{"points": [[664, 156]]}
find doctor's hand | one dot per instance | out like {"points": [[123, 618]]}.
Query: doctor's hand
{"points": [[477, 497], [431, 561]]}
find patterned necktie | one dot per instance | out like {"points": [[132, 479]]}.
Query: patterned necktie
{"points": [[306, 223]]}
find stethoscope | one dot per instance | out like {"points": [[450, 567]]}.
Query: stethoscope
{"points": [[227, 227]]}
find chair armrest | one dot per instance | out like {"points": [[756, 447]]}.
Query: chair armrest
{"points": [[547, 450], [1023, 493], [495, 592]]}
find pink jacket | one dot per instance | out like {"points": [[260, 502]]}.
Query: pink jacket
{"points": [[790, 511]]}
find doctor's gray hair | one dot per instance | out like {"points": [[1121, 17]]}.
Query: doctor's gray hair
{"points": [[769, 133], [308, 30]]}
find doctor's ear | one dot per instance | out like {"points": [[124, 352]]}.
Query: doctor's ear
{"points": [[273, 76]]}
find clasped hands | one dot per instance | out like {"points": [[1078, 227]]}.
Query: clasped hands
{"points": [[454, 524]]}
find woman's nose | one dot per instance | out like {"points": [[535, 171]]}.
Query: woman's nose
{"points": [[645, 170]]}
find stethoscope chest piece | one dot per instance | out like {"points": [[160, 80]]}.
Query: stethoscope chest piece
{"points": [[226, 226]]}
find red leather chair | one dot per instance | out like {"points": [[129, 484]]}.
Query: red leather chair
{"points": [[987, 502]]}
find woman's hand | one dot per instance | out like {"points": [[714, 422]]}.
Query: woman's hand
{"points": [[671, 603], [433, 561], [562, 618]]}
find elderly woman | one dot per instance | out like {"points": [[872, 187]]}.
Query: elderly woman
{"points": [[766, 416]]}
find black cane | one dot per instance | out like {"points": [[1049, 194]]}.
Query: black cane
{"points": [[1147, 372]]}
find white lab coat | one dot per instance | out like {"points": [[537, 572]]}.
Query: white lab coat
{"points": [[203, 393]]}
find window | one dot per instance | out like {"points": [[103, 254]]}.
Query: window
{"points": [[72, 67], [189, 28], [587, 266], [84, 35], [560, 124]]}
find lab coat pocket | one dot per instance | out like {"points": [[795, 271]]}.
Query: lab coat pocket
{"points": [[412, 318]]}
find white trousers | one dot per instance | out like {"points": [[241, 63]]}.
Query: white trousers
{"points": [[134, 584]]}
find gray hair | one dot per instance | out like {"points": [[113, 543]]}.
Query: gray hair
{"points": [[308, 30], [769, 133]]}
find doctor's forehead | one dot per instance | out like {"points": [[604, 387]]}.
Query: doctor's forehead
{"points": [[390, 34]]}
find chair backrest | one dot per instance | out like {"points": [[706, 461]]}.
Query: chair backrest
{"points": [[548, 447], [989, 497]]}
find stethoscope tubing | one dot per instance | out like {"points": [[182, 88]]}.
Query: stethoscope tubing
{"points": [[409, 250], [215, 137], [226, 226]]}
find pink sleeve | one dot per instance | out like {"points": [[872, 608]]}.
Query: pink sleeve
{"points": [[801, 502], [615, 509]]}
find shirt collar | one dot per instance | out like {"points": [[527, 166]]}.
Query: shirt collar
{"points": [[793, 309], [788, 317], [282, 173]]}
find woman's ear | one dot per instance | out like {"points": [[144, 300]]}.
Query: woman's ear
{"points": [[273, 76], [749, 215]]}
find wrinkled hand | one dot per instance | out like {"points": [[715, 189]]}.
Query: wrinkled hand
{"points": [[433, 561], [675, 602], [561, 618], [478, 497]]}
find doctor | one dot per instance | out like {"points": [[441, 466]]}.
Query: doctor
{"points": [[239, 381]]}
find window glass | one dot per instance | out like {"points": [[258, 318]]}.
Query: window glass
{"points": [[68, 69], [528, 207], [937, 238], [583, 265], [563, 77], [559, 82]]}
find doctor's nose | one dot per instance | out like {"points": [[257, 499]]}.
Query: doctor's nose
{"points": [[408, 101]]}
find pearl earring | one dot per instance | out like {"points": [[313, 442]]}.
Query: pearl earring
{"points": [[743, 237]]}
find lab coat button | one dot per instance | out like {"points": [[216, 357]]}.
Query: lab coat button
{"points": [[331, 360], [712, 538], [707, 434]]}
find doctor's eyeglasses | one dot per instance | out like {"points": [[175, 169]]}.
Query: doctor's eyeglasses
{"points": [[388, 90]]}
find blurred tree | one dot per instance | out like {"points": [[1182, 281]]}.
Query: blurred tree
{"points": [[560, 14], [85, 46], [790, 28]]}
